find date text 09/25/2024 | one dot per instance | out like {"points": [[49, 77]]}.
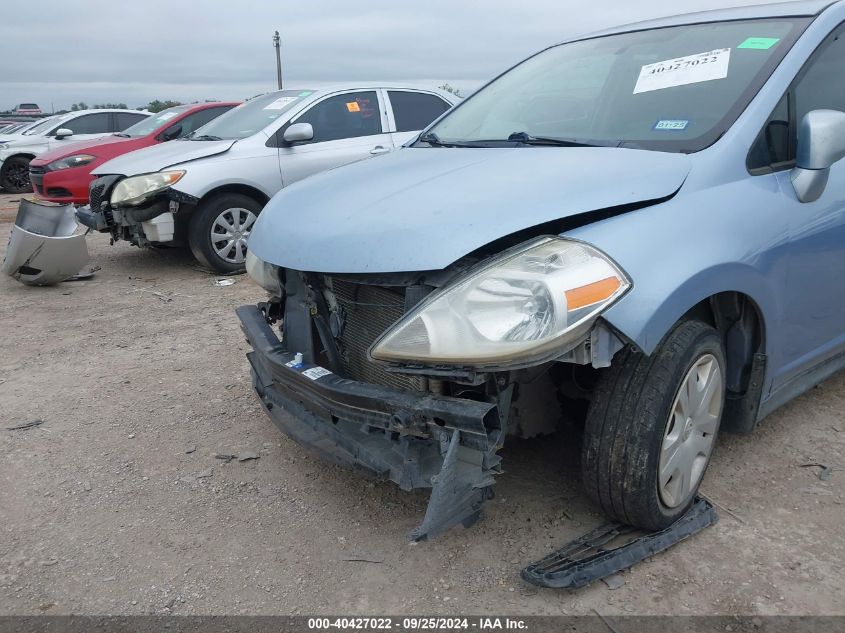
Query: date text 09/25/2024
{"points": [[482, 623]]}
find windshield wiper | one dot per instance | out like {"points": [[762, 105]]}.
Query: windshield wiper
{"points": [[206, 137], [432, 139], [527, 139]]}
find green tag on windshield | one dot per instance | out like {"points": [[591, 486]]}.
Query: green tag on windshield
{"points": [[760, 43]]}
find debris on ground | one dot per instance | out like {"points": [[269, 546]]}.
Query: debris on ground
{"points": [[361, 560], [208, 472], [24, 427], [246, 456], [190, 449], [85, 273], [226, 457], [587, 559], [614, 581], [224, 281], [824, 471], [727, 510]]}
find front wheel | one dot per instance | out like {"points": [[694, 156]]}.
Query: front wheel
{"points": [[14, 177], [219, 229], [652, 425]]}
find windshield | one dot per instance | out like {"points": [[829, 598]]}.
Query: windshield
{"points": [[671, 89], [250, 117], [152, 123], [45, 125]]}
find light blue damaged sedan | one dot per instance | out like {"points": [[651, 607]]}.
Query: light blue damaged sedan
{"points": [[639, 234]]}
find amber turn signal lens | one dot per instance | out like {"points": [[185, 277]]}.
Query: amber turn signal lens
{"points": [[591, 293]]}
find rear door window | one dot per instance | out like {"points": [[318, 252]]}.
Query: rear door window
{"points": [[124, 120], [194, 121], [415, 110]]}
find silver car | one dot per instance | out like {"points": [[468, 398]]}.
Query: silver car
{"points": [[51, 133], [207, 190]]}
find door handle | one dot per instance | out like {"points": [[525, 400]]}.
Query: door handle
{"points": [[379, 149]]}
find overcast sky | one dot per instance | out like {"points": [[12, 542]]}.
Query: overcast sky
{"points": [[60, 52]]}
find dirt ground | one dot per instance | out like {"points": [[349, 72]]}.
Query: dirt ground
{"points": [[117, 505]]}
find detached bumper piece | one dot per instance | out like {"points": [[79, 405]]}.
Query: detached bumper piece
{"points": [[415, 439], [44, 248], [586, 560]]}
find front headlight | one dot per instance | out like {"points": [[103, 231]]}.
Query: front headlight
{"points": [[131, 192], [77, 160], [264, 274], [520, 308]]}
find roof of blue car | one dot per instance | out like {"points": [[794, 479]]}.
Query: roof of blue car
{"points": [[770, 10]]}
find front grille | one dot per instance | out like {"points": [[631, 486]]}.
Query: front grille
{"points": [[95, 193], [367, 312], [59, 192]]}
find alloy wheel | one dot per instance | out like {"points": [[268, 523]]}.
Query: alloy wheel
{"points": [[18, 175], [691, 431]]}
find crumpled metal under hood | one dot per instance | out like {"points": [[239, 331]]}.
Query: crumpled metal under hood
{"points": [[44, 248]]}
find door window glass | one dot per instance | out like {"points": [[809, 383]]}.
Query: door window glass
{"points": [[818, 86], [415, 110], [127, 119], [196, 120], [89, 124], [774, 143]]}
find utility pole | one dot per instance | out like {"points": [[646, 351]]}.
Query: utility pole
{"points": [[277, 45]]}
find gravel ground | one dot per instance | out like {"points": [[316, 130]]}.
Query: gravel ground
{"points": [[116, 504]]}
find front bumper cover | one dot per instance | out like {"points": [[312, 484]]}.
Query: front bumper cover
{"points": [[44, 247], [416, 440]]}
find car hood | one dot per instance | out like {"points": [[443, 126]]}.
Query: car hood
{"points": [[89, 147], [422, 209], [162, 156], [8, 138], [25, 142]]}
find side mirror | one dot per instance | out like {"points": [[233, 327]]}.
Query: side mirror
{"points": [[821, 143], [63, 132], [174, 131], [299, 132]]}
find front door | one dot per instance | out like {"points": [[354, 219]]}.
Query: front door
{"points": [[348, 127], [814, 297]]}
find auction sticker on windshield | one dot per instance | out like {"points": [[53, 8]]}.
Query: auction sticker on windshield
{"points": [[682, 71], [280, 103]]}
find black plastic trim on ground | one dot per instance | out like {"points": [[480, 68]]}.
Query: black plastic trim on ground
{"points": [[584, 560]]}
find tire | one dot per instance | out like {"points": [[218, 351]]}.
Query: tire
{"points": [[638, 418], [211, 216], [14, 177]]}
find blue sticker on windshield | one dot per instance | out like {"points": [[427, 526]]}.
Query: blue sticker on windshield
{"points": [[671, 124]]}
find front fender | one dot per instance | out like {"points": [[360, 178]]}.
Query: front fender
{"points": [[647, 313], [707, 240], [199, 183]]}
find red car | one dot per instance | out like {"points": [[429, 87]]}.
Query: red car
{"points": [[63, 175]]}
